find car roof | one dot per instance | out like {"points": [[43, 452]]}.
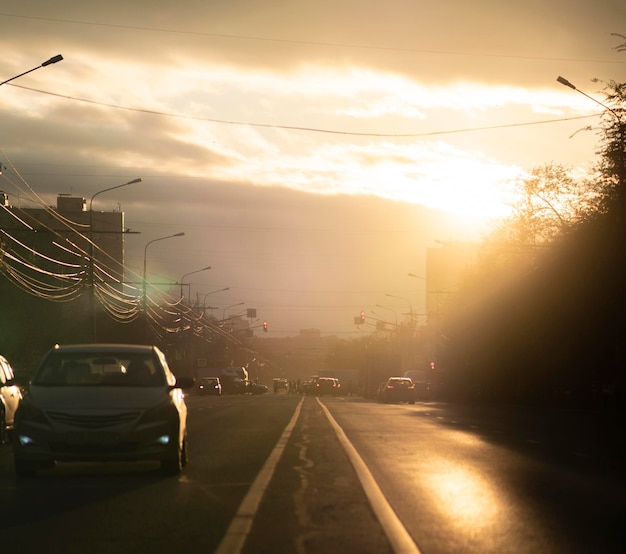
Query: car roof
{"points": [[104, 347]]}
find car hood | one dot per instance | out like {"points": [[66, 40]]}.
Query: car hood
{"points": [[96, 398]]}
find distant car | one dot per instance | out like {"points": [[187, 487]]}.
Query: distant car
{"points": [[422, 382], [279, 384], [210, 386], [397, 389], [257, 388], [308, 385], [10, 397], [326, 385], [102, 402]]}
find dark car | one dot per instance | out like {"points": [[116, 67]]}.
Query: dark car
{"points": [[10, 397], [422, 382], [257, 388], [397, 389], [102, 402], [326, 385], [210, 386]]}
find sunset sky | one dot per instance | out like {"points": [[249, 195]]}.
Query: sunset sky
{"points": [[310, 151]]}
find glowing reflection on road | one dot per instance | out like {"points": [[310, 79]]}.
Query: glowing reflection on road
{"points": [[462, 494]]}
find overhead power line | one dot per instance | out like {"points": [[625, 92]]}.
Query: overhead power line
{"points": [[299, 128]]}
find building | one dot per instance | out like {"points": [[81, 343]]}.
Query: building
{"points": [[59, 265]]}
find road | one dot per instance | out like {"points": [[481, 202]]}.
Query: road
{"points": [[458, 479]]}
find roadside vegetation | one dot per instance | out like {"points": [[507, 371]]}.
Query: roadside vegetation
{"points": [[541, 317]]}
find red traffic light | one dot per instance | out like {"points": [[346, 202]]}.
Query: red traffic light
{"points": [[265, 326]]}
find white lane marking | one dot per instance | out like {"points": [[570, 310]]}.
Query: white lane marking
{"points": [[398, 536], [240, 526]]}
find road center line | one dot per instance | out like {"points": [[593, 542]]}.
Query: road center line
{"points": [[240, 526], [398, 536]]}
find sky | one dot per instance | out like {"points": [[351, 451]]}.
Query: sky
{"points": [[311, 152]]}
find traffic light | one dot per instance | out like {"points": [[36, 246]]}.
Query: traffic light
{"points": [[362, 317], [265, 326], [432, 365]]}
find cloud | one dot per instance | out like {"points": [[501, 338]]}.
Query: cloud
{"points": [[309, 151]]}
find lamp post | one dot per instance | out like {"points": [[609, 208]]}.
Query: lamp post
{"points": [[566, 83], [190, 273], [414, 276], [231, 306], [52, 60], [387, 308], [407, 301], [212, 292], [91, 247], [138, 180], [622, 129], [145, 276]]}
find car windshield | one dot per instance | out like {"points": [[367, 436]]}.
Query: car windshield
{"points": [[99, 369]]}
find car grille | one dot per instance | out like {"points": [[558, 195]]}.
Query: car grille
{"points": [[88, 421], [93, 449]]}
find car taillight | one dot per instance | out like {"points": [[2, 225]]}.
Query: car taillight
{"points": [[411, 387], [389, 386]]}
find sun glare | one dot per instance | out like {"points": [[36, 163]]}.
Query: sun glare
{"points": [[466, 498], [452, 175]]}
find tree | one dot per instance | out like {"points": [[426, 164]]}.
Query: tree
{"points": [[543, 313], [611, 170]]}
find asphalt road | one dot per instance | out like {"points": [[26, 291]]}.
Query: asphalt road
{"points": [[492, 479], [459, 479]]}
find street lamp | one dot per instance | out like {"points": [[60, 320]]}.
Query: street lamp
{"points": [[145, 252], [388, 308], [213, 292], [52, 60], [138, 180], [186, 275], [407, 301], [91, 244], [622, 130], [566, 83], [231, 306], [419, 277]]}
